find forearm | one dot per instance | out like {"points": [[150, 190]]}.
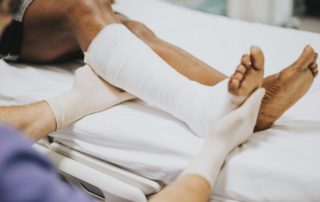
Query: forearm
{"points": [[187, 188], [197, 181], [35, 120], [209, 160]]}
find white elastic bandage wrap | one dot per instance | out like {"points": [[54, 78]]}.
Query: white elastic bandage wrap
{"points": [[125, 61], [226, 134], [89, 94], [64, 109]]}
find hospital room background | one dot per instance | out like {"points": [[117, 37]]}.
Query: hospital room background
{"points": [[131, 151], [300, 14]]}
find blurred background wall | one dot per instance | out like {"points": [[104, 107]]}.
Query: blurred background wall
{"points": [[302, 14]]}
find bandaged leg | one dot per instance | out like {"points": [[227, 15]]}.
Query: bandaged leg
{"points": [[226, 134], [125, 61], [88, 95]]}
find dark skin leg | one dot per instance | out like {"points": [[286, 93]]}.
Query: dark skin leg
{"points": [[49, 36], [46, 35]]}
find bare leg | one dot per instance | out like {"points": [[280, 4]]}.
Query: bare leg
{"points": [[187, 188], [49, 28], [180, 60], [36, 120], [49, 38], [187, 65], [46, 46], [46, 35], [88, 18], [280, 94]]}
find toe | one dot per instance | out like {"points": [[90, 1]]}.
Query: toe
{"points": [[314, 69], [241, 69], [257, 58], [234, 84], [315, 58], [238, 76], [306, 58], [313, 66], [245, 60]]}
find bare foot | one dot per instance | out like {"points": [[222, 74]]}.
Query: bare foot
{"points": [[249, 74], [285, 88]]}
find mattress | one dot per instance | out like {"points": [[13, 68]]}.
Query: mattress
{"points": [[279, 164]]}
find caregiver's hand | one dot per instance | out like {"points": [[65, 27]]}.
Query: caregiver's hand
{"points": [[232, 130], [236, 127]]}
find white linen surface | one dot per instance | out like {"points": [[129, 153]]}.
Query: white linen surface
{"points": [[280, 164]]}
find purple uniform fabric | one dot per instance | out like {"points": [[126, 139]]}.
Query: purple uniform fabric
{"points": [[26, 176]]}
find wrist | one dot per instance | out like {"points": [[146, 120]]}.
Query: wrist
{"points": [[209, 160]]}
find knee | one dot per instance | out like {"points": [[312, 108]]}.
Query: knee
{"points": [[90, 3], [95, 4], [140, 30], [91, 7]]}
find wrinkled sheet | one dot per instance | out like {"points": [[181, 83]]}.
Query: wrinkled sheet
{"points": [[280, 164]]}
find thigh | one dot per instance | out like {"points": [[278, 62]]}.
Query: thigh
{"points": [[47, 36]]}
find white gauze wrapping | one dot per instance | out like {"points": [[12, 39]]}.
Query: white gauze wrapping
{"points": [[125, 61], [226, 134], [89, 94]]}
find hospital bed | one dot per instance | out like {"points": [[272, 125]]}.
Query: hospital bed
{"points": [[99, 179], [138, 148]]}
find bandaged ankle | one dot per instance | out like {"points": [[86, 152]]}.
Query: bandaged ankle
{"points": [[88, 95], [122, 59]]}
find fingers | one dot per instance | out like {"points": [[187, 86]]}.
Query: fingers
{"points": [[249, 109]]}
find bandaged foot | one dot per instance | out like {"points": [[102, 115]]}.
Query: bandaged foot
{"points": [[125, 61], [226, 134], [88, 95]]}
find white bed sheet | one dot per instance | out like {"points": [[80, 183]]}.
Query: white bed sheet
{"points": [[280, 164]]}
